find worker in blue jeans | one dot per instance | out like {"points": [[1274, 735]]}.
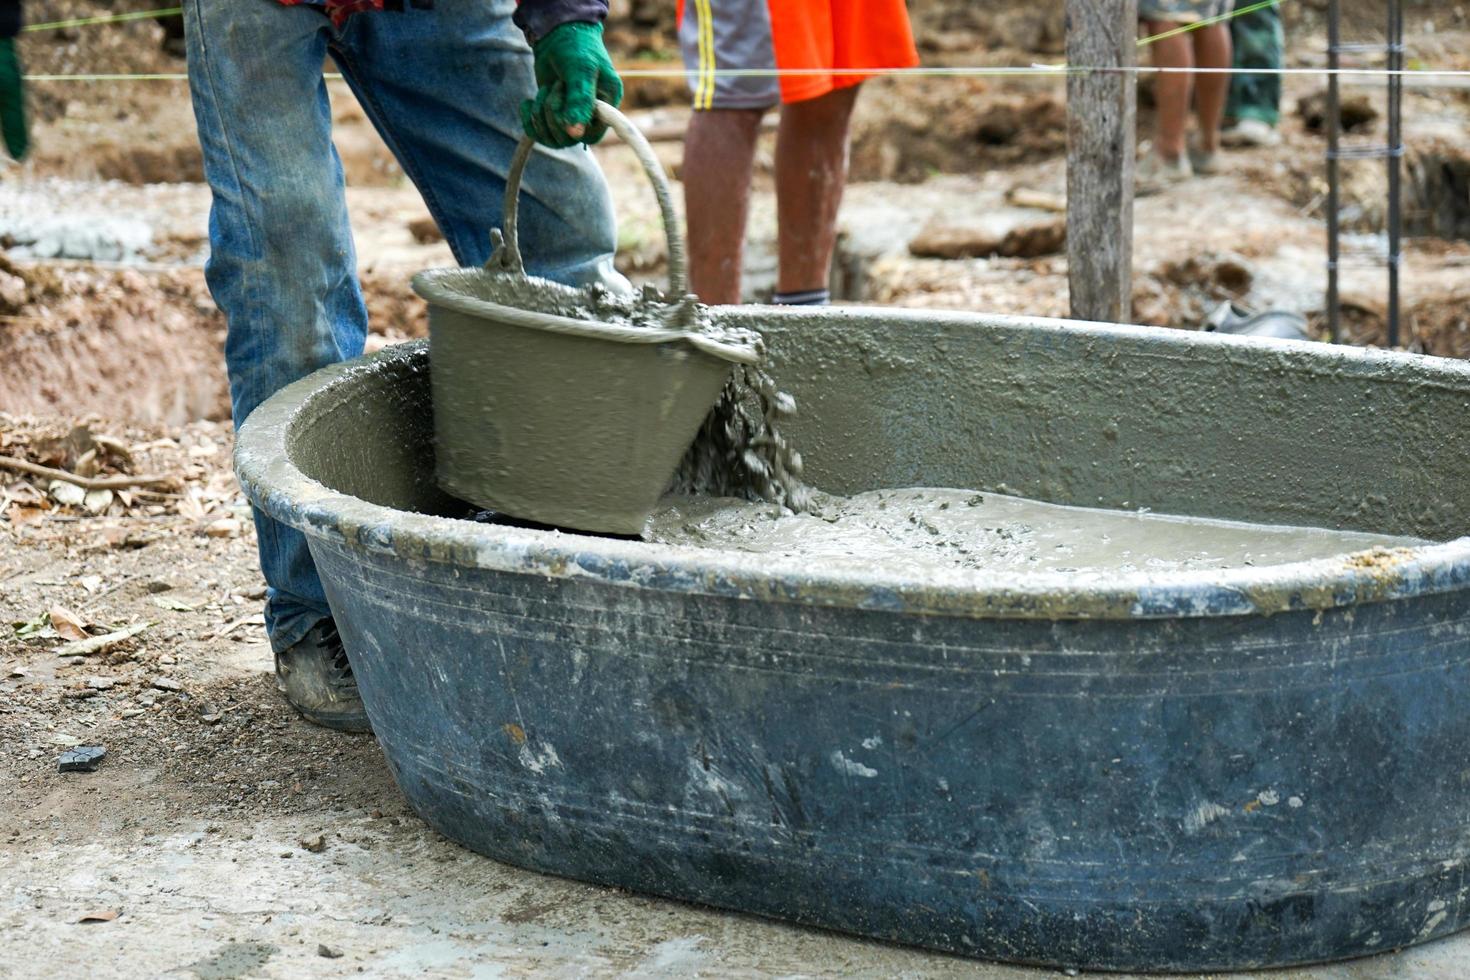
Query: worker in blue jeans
{"points": [[451, 85]]}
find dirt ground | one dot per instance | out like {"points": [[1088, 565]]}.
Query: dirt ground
{"points": [[223, 837]]}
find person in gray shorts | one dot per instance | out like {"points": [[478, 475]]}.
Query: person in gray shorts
{"points": [[834, 45], [1172, 157]]}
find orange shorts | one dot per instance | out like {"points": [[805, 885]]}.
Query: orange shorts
{"points": [[760, 35]]}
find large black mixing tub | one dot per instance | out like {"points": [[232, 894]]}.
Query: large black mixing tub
{"points": [[1177, 770]]}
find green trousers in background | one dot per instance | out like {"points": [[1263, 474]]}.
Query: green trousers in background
{"points": [[1259, 42]]}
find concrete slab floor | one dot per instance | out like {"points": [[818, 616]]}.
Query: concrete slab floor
{"points": [[401, 902], [385, 896]]}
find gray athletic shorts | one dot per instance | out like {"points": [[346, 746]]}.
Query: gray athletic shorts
{"points": [[822, 44], [729, 34], [1183, 11]]}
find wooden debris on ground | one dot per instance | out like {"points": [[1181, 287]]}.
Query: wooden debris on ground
{"points": [[103, 643], [77, 478]]}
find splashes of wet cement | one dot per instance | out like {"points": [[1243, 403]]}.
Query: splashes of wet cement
{"points": [[740, 451]]}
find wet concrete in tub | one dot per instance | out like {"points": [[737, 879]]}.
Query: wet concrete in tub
{"points": [[739, 486], [947, 528]]}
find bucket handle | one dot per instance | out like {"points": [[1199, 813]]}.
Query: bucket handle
{"points": [[508, 254]]}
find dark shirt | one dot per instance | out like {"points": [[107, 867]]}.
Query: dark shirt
{"points": [[540, 17], [536, 17], [9, 18]]}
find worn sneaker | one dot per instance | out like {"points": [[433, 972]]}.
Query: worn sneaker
{"points": [[1155, 173], [1251, 132], [1203, 162], [317, 679], [1233, 318]]}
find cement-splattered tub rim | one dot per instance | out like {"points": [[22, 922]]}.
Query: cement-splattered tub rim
{"points": [[283, 491]]}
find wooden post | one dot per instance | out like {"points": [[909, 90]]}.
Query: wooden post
{"points": [[1101, 120]]}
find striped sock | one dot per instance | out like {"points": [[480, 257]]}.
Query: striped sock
{"points": [[806, 297]]}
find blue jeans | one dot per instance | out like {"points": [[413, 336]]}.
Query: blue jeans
{"points": [[443, 88]]}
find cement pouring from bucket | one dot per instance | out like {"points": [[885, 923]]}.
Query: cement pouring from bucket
{"points": [[566, 406]]}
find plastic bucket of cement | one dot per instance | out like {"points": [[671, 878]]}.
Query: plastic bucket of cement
{"points": [[569, 407]]}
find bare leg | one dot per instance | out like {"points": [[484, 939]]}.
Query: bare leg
{"points": [[1211, 50], [719, 155], [1171, 89], [811, 169]]}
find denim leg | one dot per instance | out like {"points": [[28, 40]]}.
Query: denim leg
{"points": [[444, 88], [282, 265]]}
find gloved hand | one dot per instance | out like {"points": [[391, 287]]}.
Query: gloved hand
{"points": [[12, 101], [572, 71]]}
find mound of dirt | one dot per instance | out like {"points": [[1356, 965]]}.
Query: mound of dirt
{"points": [[178, 563], [136, 345], [120, 342], [907, 129], [129, 47], [1437, 324], [944, 26], [1437, 190]]}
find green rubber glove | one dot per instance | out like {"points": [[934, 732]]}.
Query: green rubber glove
{"points": [[12, 101], [573, 70]]}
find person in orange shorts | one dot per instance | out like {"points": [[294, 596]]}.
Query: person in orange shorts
{"points": [[837, 44]]}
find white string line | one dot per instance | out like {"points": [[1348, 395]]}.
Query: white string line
{"points": [[1420, 77], [1043, 69]]}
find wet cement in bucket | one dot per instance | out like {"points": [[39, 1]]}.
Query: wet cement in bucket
{"points": [[599, 397], [949, 528], [739, 450]]}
